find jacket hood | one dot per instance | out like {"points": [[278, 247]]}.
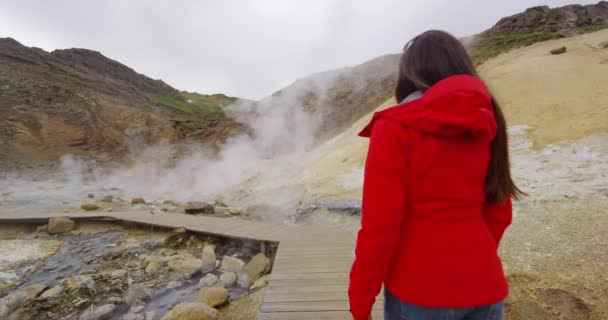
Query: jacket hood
{"points": [[456, 105]]}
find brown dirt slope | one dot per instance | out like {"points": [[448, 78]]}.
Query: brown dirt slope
{"points": [[81, 102]]}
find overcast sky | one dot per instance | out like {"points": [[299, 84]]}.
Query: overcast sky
{"points": [[246, 48]]}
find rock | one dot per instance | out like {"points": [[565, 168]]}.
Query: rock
{"points": [[52, 293], [213, 296], [566, 303], [133, 316], [184, 262], [238, 212], [137, 309], [12, 302], [525, 310], [60, 224], [42, 228], [81, 282], [180, 230], [217, 264], [117, 274], [199, 207], [559, 50], [221, 210], [178, 238], [208, 259], [252, 271], [90, 195], [220, 284], [89, 207], [231, 264], [259, 284], [107, 199], [208, 280], [138, 201], [34, 290], [137, 293], [173, 284], [170, 203], [4, 311], [154, 264], [114, 253], [150, 315], [100, 313], [228, 278], [603, 45], [191, 311]]}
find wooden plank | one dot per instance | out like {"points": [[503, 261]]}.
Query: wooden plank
{"points": [[309, 306], [307, 289], [318, 296], [306, 275], [314, 315]]}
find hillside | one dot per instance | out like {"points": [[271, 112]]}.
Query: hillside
{"points": [[538, 24], [81, 102]]}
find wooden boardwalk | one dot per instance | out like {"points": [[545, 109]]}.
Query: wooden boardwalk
{"points": [[309, 278]]}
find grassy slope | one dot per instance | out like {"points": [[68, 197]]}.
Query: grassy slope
{"points": [[197, 104], [490, 46]]}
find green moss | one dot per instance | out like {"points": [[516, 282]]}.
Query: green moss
{"points": [[593, 27], [489, 47], [199, 108]]}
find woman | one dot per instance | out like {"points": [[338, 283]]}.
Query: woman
{"points": [[437, 193]]}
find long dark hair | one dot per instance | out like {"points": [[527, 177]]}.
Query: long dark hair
{"points": [[435, 55]]}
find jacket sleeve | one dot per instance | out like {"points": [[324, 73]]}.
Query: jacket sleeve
{"points": [[498, 217], [383, 209]]}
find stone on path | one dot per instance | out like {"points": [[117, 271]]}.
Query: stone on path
{"points": [[107, 199], [559, 50], [60, 225], [89, 207]]}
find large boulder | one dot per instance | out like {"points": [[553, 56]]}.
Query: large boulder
{"points": [[213, 296], [208, 259], [255, 269], [191, 311], [60, 225], [231, 264], [184, 262], [228, 278]]}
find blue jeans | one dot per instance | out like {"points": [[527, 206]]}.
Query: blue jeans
{"points": [[395, 309]]}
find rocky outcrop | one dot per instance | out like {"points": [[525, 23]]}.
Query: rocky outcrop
{"points": [[564, 20]]}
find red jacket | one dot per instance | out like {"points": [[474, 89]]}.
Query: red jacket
{"points": [[426, 231]]}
